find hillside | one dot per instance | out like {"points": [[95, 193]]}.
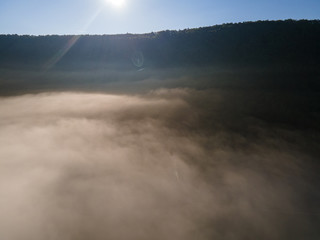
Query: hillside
{"points": [[263, 43], [274, 55]]}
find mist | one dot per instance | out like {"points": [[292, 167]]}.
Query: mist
{"points": [[169, 163]]}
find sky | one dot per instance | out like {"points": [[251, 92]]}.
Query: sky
{"points": [[43, 17]]}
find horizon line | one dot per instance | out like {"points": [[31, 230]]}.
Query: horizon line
{"points": [[153, 32]]}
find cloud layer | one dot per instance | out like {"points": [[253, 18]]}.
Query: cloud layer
{"points": [[170, 164]]}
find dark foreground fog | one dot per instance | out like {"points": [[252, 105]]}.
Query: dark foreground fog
{"points": [[169, 163]]}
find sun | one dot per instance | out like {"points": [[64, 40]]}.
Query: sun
{"points": [[117, 3]]}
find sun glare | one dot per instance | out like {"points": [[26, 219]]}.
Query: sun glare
{"points": [[117, 3]]}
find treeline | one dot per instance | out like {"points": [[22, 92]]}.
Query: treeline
{"points": [[281, 44]]}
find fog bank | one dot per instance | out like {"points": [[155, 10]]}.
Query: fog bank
{"points": [[162, 165]]}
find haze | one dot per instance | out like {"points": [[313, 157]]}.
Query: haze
{"points": [[207, 133]]}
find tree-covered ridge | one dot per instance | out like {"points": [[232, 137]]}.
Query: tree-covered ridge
{"points": [[262, 43]]}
